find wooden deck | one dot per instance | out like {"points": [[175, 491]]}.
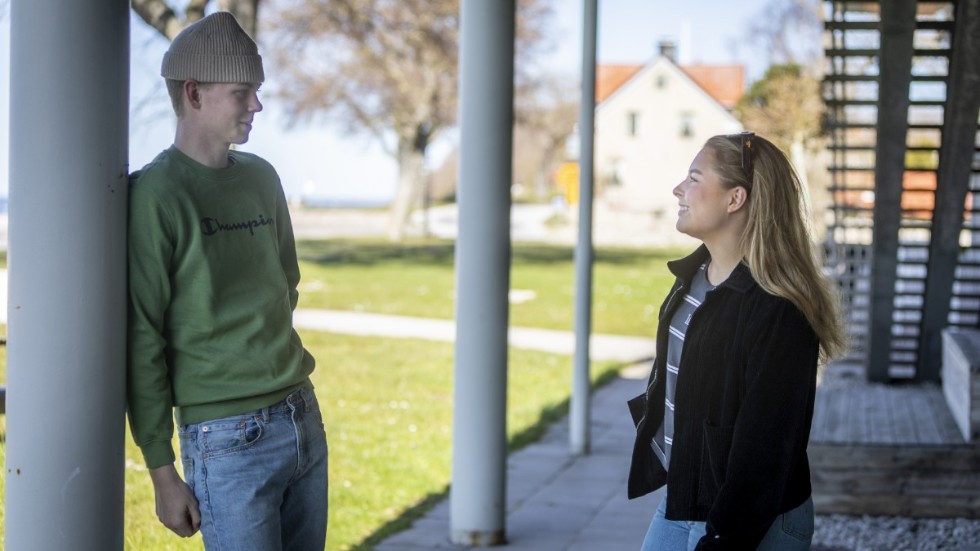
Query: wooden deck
{"points": [[892, 449]]}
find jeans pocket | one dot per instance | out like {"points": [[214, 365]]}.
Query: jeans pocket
{"points": [[798, 523], [228, 436], [187, 466], [188, 444]]}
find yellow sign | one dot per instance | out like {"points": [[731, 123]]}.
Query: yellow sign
{"points": [[566, 178]]}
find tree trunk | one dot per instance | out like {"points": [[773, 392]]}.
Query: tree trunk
{"points": [[548, 165], [246, 12], [411, 164]]}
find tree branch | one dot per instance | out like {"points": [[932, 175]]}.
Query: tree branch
{"points": [[247, 13], [160, 15]]}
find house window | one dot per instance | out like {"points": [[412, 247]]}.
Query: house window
{"points": [[614, 171], [687, 124], [661, 82], [632, 124]]}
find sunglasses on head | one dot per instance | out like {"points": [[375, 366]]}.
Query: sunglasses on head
{"points": [[745, 146]]}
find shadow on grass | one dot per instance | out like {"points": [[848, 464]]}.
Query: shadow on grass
{"points": [[367, 252], [526, 437], [404, 521], [442, 253]]}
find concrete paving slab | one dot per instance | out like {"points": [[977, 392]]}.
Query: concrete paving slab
{"points": [[557, 501]]}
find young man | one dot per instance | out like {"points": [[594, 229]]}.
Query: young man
{"points": [[212, 284]]}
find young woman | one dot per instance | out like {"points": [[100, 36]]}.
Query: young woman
{"points": [[725, 419]]}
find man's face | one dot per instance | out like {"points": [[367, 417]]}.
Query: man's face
{"points": [[227, 110]]}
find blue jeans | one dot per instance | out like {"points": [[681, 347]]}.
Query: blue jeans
{"points": [[791, 531], [260, 478]]}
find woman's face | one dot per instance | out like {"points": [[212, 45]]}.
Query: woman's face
{"points": [[706, 207]]}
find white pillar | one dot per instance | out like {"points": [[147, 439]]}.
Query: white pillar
{"points": [[478, 493], [67, 274], [579, 437]]}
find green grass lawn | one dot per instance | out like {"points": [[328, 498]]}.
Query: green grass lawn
{"points": [[387, 402], [387, 406], [418, 280]]}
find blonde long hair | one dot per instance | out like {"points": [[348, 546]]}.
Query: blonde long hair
{"points": [[775, 243]]}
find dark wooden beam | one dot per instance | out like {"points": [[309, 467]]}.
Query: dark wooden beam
{"points": [[912, 480], [896, 29], [952, 183]]}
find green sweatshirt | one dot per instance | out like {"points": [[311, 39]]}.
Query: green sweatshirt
{"points": [[212, 287]]}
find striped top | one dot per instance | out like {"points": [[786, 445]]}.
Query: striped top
{"points": [[663, 440]]}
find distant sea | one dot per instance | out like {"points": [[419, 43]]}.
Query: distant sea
{"points": [[342, 203]]}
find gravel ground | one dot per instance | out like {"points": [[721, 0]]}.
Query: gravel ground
{"points": [[852, 533]]}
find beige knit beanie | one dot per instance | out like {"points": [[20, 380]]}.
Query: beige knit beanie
{"points": [[214, 49]]}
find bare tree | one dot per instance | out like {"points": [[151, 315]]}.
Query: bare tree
{"points": [[385, 67], [547, 110], [163, 16], [789, 32]]}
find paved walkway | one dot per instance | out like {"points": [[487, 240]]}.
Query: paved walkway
{"points": [[601, 347], [560, 502]]}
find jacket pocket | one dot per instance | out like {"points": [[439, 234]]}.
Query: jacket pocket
{"points": [[717, 444], [638, 408]]}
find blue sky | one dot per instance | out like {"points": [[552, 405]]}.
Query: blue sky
{"points": [[329, 162]]}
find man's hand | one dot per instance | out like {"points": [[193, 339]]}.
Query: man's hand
{"points": [[176, 505]]}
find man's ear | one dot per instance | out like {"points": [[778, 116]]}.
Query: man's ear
{"points": [[192, 93], [738, 197]]}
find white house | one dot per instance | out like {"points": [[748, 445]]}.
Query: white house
{"points": [[651, 120]]}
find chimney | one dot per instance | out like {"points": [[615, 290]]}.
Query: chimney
{"points": [[668, 49]]}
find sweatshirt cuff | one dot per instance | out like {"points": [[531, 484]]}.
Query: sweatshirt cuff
{"points": [[158, 454]]}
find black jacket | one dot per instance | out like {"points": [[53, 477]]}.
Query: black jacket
{"points": [[743, 408]]}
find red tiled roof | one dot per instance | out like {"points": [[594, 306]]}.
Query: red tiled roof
{"points": [[608, 79], [724, 83]]}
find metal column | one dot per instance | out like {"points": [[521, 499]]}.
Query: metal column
{"points": [[953, 181], [580, 440], [478, 493], [897, 28], [67, 274]]}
